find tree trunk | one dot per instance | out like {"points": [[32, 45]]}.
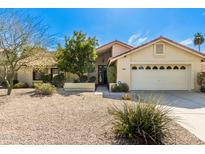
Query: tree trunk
{"points": [[10, 85], [9, 90]]}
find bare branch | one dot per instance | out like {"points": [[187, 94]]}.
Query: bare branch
{"points": [[21, 35]]}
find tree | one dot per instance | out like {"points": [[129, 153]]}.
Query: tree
{"points": [[20, 36], [198, 40], [78, 54]]}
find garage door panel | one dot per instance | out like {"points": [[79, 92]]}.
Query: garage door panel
{"points": [[159, 79]]}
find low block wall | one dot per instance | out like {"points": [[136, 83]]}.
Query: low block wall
{"points": [[79, 86]]}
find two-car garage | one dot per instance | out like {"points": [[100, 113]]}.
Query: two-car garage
{"points": [[160, 77], [160, 64]]}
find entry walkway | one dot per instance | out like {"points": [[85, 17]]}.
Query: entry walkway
{"points": [[101, 89]]}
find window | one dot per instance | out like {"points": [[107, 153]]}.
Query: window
{"points": [[148, 68], [38, 74], [161, 68], [155, 68], [176, 67], [159, 49], [134, 68], [141, 68], [169, 67], [182, 67], [54, 72]]}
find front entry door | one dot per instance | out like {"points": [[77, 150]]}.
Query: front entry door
{"points": [[102, 74]]}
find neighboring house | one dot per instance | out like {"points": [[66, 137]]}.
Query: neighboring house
{"points": [[160, 64], [33, 72]]}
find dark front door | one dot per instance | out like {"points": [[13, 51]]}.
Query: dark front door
{"points": [[102, 74]]}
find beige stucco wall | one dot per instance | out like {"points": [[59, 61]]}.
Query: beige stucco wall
{"points": [[25, 74], [118, 49], [173, 55]]}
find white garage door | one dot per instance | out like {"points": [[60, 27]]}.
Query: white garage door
{"points": [[160, 77]]}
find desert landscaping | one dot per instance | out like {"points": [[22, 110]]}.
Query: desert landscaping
{"points": [[65, 118]]}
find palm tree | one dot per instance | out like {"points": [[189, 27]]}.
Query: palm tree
{"points": [[198, 40]]}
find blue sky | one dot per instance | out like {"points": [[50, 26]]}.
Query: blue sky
{"points": [[133, 26]]}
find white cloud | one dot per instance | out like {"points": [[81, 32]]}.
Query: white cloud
{"points": [[188, 41], [137, 39]]}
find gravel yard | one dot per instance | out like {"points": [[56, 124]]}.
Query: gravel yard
{"points": [[64, 118]]}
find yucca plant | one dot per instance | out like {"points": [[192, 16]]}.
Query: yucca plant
{"points": [[142, 123]]}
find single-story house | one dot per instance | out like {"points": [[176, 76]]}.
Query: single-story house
{"points": [[160, 64]]}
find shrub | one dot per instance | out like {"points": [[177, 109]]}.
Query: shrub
{"points": [[84, 78], [142, 123], [121, 87], [76, 81], [46, 78], [21, 85], [15, 82], [58, 80], [3, 84], [202, 89], [92, 79], [201, 81], [111, 74], [44, 88]]}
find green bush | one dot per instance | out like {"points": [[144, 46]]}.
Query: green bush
{"points": [[15, 82], [84, 78], [111, 74], [58, 80], [202, 89], [44, 88], [121, 87], [92, 79], [3, 83], [21, 85], [76, 81], [142, 123], [46, 78], [201, 81]]}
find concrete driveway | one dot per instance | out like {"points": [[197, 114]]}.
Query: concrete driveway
{"points": [[189, 107]]}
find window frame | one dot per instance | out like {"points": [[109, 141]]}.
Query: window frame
{"points": [[155, 68], [52, 72], [155, 47], [141, 67], [182, 67], [176, 67], [37, 71], [134, 68], [169, 68]]}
